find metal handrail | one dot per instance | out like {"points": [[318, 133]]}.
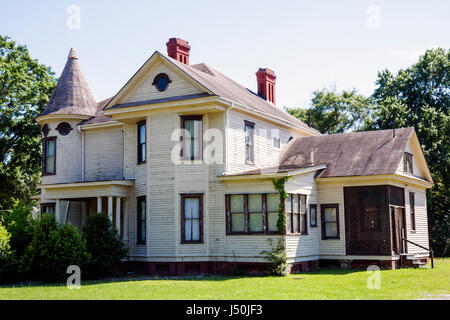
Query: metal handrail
{"points": [[422, 247]]}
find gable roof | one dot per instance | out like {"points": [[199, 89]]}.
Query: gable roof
{"points": [[352, 154], [72, 95], [217, 84]]}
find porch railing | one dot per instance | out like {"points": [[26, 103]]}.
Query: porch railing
{"points": [[422, 247]]}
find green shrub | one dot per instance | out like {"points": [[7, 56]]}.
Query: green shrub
{"points": [[104, 245], [277, 258], [52, 250], [5, 248], [19, 224]]}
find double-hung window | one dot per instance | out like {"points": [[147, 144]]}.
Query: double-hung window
{"points": [[49, 156], [141, 220], [249, 142], [313, 215], [142, 142], [191, 218], [330, 221], [192, 131]]}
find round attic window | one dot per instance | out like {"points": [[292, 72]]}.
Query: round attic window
{"points": [[64, 128], [161, 82], [45, 130]]}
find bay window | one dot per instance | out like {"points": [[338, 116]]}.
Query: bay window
{"points": [[296, 221], [252, 213]]}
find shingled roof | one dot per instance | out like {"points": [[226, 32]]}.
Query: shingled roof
{"points": [[99, 115], [72, 95], [352, 154], [227, 88]]}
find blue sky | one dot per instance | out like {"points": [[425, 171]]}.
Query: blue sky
{"points": [[309, 44]]}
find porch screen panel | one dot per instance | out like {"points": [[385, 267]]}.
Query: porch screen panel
{"points": [[367, 224]]}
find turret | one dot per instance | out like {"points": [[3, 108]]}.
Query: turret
{"points": [[71, 102]]}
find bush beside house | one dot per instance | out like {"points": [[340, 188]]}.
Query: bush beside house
{"points": [[42, 250]]}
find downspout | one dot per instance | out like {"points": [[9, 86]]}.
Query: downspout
{"points": [[82, 152]]}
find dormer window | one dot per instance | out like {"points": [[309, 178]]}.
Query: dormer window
{"points": [[408, 163]]}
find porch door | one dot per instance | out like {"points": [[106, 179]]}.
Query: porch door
{"points": [[398, 229]]}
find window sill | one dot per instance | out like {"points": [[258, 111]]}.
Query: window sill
{"points": [[192, 162], [254, 234], [192, 242]]}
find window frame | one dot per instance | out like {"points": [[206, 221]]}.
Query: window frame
{"points": [[265, 212], [44, 156], [252, 158], [311, 206], [194, 118], [322, 216], [412, 210], [290, 215], [43, 206], [408, 158], [185, 196], [141, 158], [141, 222]]}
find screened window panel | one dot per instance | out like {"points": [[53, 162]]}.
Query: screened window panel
{"points": [[288, 222], [255, 203], [256, 222], [237, 203], [303, 203], [237, 222], [330, 214], [296, 223], [303, 224], [289, 204], [50, 156], [313, 215], [295, 203], [272, 220], [331, 229], [273, 202]]}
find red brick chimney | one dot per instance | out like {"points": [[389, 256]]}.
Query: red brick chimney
{"points": [[178, 49], [266, 84]]}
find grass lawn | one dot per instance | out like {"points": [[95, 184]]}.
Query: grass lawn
{"points": [[325, 284]]}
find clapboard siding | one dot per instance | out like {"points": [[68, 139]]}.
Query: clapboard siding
{"points": [[145, 90], [104, 154], [265, 153], [68, 154], [299, 247], [420, 236], [331, 194]]}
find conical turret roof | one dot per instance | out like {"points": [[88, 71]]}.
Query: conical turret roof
{"points": [[72, 94]]}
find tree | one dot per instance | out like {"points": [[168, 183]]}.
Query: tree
{"points": [[25, 88], [104, 245], [332, 112], [419, 97]]}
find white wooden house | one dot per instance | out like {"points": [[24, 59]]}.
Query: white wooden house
{"points": [[182, 159]]}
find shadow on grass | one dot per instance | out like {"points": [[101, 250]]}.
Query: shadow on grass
{"points": [[199, 278]]}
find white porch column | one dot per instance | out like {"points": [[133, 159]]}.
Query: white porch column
{"points": [[118, 213], [58, 210], [110, 208], [99, 204], [125, 219], [83, 212]]}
